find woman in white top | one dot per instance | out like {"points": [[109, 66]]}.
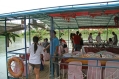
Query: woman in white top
{"points": [[90, 38], [98, 38], [35, 51]]}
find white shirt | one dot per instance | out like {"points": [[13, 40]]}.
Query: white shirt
{"points": [[90, 39], [98, 39], [35, 57]]}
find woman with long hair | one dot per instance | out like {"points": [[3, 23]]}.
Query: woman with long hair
{"points": [[35, 51]]}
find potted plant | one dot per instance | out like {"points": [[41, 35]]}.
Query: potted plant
{"points": [[10, 36]]}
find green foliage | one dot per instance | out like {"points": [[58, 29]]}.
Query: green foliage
{"points": [[41, 33], [64, 33], [10, 36], [85, 31], [33, 31], [61, 33]]}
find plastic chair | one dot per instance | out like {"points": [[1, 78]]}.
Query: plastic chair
{"points": [[75, 71], [60, 50], [46, 56], [111, 73], [66, 50], [94, 72]]}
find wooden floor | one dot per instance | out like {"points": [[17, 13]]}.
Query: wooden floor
{"points": [[43, 74]]}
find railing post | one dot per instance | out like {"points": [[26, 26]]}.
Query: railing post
{"points": [[6, 44], [51, 50], [29, 31], [25, 28]]}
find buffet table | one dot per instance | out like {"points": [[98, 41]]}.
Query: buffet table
{"points": [[85, 62], [85, 57], [97, 49]]}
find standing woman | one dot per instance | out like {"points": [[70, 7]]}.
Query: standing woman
{"points": [[71, 38], [90, 38], [35, 51], [98, 38], [115, 38]]}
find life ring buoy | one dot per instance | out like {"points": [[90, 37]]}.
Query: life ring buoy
{"points": [[21, 65]]}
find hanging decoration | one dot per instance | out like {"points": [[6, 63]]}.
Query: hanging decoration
{"points": [[66, 16]]}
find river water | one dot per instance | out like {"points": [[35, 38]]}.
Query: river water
{"points": [[19, 43]]}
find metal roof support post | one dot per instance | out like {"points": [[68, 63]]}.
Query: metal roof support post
{"points": [[77, 22], [107, 27], [29, 32], [51, 48], [59, 32], [25, 45], [68, 36], [6, 45], [107, 34]]}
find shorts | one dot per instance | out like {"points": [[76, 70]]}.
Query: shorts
{"points": [[35, 65], [77, 47]]}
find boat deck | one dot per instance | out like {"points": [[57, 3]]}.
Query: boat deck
{"points": [[43, 74]]}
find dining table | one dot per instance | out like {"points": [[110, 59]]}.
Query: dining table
{"points": [[98, 49], [84, 61]]}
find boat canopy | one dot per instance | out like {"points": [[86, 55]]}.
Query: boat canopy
{"points": [[89, 15]]}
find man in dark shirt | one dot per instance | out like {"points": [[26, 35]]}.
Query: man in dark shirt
{"points": [[45, 44]]}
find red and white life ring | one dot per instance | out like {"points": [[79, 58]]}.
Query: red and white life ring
{"points": [[21, 65]]}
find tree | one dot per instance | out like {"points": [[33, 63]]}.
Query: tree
{"points": [[41, 33], [10, 37]]}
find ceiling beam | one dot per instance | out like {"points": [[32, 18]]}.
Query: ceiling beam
{"points": [[38, 25], [91, 27]]}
